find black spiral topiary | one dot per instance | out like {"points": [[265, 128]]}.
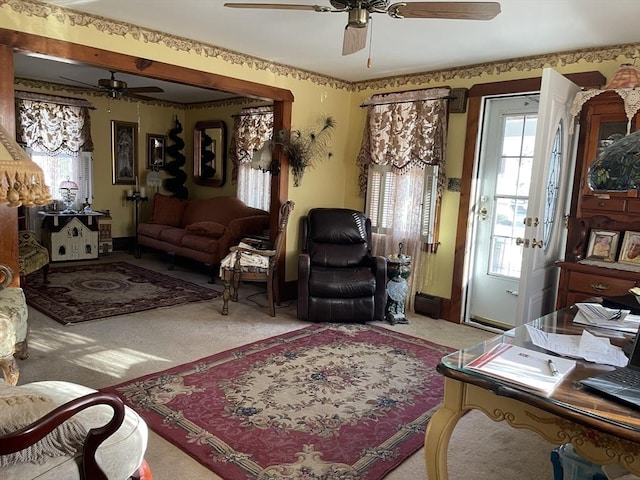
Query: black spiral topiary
{"points": [[176, 184]]}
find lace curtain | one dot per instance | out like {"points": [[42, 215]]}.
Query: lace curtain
{"points": [[407, 131], [251, 129], [51, 127]]}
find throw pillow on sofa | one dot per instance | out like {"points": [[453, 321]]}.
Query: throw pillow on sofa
{"points": [[207, 229], [167, 210]]}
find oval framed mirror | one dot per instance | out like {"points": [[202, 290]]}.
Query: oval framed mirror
{"points": [[210, 153]]}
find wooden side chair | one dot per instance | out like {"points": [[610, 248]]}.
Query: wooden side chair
{"points": [[251, 261]]}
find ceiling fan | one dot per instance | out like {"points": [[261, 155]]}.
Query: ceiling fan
{"points": [[355, 33], [115, 88]]}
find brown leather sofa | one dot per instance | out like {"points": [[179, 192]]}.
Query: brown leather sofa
{"points": [[338, 278], [202, 230]]}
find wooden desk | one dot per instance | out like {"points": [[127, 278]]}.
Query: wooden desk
{"points": [[601, 431]]}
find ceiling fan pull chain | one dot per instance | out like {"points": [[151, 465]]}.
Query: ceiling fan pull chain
{"points": [[370, 41]]}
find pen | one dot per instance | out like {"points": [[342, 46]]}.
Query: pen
{"points": [[552, 367]]}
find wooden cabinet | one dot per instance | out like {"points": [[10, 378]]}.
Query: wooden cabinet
{"points": [[70, 236], [579, 282], [602, 120]]}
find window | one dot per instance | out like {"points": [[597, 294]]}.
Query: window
{"points": [[401, 162], [56, 133], [62, 166], [383, 200], [251, 129]]}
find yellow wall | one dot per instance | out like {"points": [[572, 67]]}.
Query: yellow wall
{"points": [[334, 181]]}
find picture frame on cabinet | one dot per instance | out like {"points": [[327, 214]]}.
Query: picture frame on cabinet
{"points": [[630, 251], [603, 245]]}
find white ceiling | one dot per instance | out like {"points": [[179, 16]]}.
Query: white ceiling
{"points": [[313, 41]]}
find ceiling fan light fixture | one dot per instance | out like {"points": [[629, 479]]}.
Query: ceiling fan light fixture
{"points": [[358, 18]]}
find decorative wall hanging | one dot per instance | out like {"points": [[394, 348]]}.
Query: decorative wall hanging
{"points": [[155, 150], [305, 148], [124, 152], [175, 185]]}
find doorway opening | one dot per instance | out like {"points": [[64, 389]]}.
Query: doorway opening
{"points": [[500, 201]]}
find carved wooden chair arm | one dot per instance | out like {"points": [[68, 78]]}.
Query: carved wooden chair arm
{"points": [[6, 276], [90, 470]]}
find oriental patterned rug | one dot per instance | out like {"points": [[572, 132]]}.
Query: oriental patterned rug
{"points": [[87, 292], [325, 402]]}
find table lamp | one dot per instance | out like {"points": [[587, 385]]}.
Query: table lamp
{"points": [[21, 179], [68, 190]]}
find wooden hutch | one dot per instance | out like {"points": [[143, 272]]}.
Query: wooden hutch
{"points": [[602, 117]]}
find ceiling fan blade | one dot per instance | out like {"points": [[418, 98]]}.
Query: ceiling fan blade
{"points": [[93, 87], [354, 40], [128, 93], [275, 6], [144, 90], [452, 10]]}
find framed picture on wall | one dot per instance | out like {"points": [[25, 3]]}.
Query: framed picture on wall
{"points": [[630, 251], [603, 245], [124, 152], [155, 150]]}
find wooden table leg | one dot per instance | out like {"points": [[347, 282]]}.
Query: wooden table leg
{"points": [[440, 428], [226, 293]]}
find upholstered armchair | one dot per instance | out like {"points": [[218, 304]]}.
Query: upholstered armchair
{"points": [[31, 255], [64, 431], [13, 326], [338, 278]]}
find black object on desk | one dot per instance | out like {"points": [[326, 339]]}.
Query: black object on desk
{"points": [[624, 302], [621, 384]]}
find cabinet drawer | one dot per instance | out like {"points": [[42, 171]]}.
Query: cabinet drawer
{"points": [[603, 204], [633, 205], [599, 285]]}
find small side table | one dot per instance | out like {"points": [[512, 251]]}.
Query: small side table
{"points": [[398, 270], [136, 198]]}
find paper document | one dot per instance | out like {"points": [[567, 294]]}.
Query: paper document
{"points": [[522, 366], [595, 315], [587, 346]]}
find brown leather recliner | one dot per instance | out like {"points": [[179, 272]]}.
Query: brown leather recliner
{"points": [[338, 278]]}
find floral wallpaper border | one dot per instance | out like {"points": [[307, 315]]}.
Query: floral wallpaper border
{"points": [[113, 27]]}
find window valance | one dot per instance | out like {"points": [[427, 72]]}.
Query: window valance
{"points": [[404, 130], [53, 127], [252, 127]]}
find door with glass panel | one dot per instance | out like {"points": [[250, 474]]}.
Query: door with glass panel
{"points": [[524, 172], [503, 179], [545, 228]]}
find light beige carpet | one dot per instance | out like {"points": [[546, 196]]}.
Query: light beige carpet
{"points": [[109, 351]]}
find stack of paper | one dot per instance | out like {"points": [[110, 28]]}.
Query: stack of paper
{"points": [[522, 366], [595, 315], [590, 347]]}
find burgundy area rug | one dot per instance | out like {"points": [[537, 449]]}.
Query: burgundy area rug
{"points": [[325, 402], [87, 292]]}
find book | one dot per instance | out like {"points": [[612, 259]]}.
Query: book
{"points": [[530, 368]]}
